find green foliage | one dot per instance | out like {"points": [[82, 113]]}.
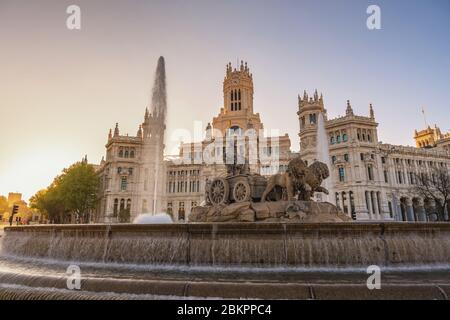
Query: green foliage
{"points": [[4, 207], [72, 192]]}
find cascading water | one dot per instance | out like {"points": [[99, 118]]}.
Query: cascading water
{"points": [[153, 149], [323, 155]]}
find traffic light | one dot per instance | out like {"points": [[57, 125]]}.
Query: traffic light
{"points": [[15, 209]]}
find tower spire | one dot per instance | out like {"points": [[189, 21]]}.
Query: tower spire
{"points": [[116, 130], [371, 113], [349, 110]]}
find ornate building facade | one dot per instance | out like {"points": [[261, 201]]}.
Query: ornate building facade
{"points": [[370, 180]]}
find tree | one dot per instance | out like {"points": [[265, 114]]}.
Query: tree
{"points": [[4, 205], [72, 192], [78, 189], [48, 202], [435, 186]]}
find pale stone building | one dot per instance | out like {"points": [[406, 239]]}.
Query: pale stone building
{"points": [[132, 175], [370, 180]]}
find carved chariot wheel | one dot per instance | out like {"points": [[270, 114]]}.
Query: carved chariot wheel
{"points": [[218, 191], [242, 191]]}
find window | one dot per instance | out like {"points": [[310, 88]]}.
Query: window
{"points": [[332, 140], [312, 118], [144, 205], [362, 156], [333, 159], [341, 174], [344, 202], [344, 137], [370, 172], [352, 205], [390, 209], [181, 211], [338, 139], [337, 200], [399, 175], [123, 183], [385, 176], [116, 207], [383, 160], [346, 158]]}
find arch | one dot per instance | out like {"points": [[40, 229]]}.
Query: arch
{"points": [[403, 209], [234, 130], [116, 207]]}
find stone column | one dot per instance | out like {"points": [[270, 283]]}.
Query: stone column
{"points": [[409, 210], [421, 211], [373, 196], [360, 205], [369, 198]]}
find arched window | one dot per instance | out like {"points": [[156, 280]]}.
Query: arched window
{"points": [[344, 202], [234, 130], [338, 139], [344, 137], [337, 200], [352, 205], [122, 204], [126, 154], [132, 153], [116, 207], [341, 174], [370, 172], [120, 152], [235, 94], [333, 159], [332, 140], [239, 97], [128, 204], [232, 98]]}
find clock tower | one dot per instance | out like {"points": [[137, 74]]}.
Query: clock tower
{"points": [[237, 112]]}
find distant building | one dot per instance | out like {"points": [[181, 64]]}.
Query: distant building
{"points": [[25, 214], [431, 138]]}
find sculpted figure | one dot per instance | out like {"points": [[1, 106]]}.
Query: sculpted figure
{"points": [[290, 181], [312, 180], [299, 179]]}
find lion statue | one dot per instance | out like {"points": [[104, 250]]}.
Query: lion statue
{"points": [[299, 179], [313, 178]]}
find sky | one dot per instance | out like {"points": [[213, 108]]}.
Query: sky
{"points": [[62, 90]]}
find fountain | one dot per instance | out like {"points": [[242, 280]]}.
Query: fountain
{"points": [[323, 154], [153, 138], [249, 240]]}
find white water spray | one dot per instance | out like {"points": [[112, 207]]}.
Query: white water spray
{"points": [[323, 155]]}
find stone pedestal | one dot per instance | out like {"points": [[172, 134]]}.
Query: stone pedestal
{"points": [[278, 211]]}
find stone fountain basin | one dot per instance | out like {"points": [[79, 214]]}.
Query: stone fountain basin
{"points": [[310, 245]]}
